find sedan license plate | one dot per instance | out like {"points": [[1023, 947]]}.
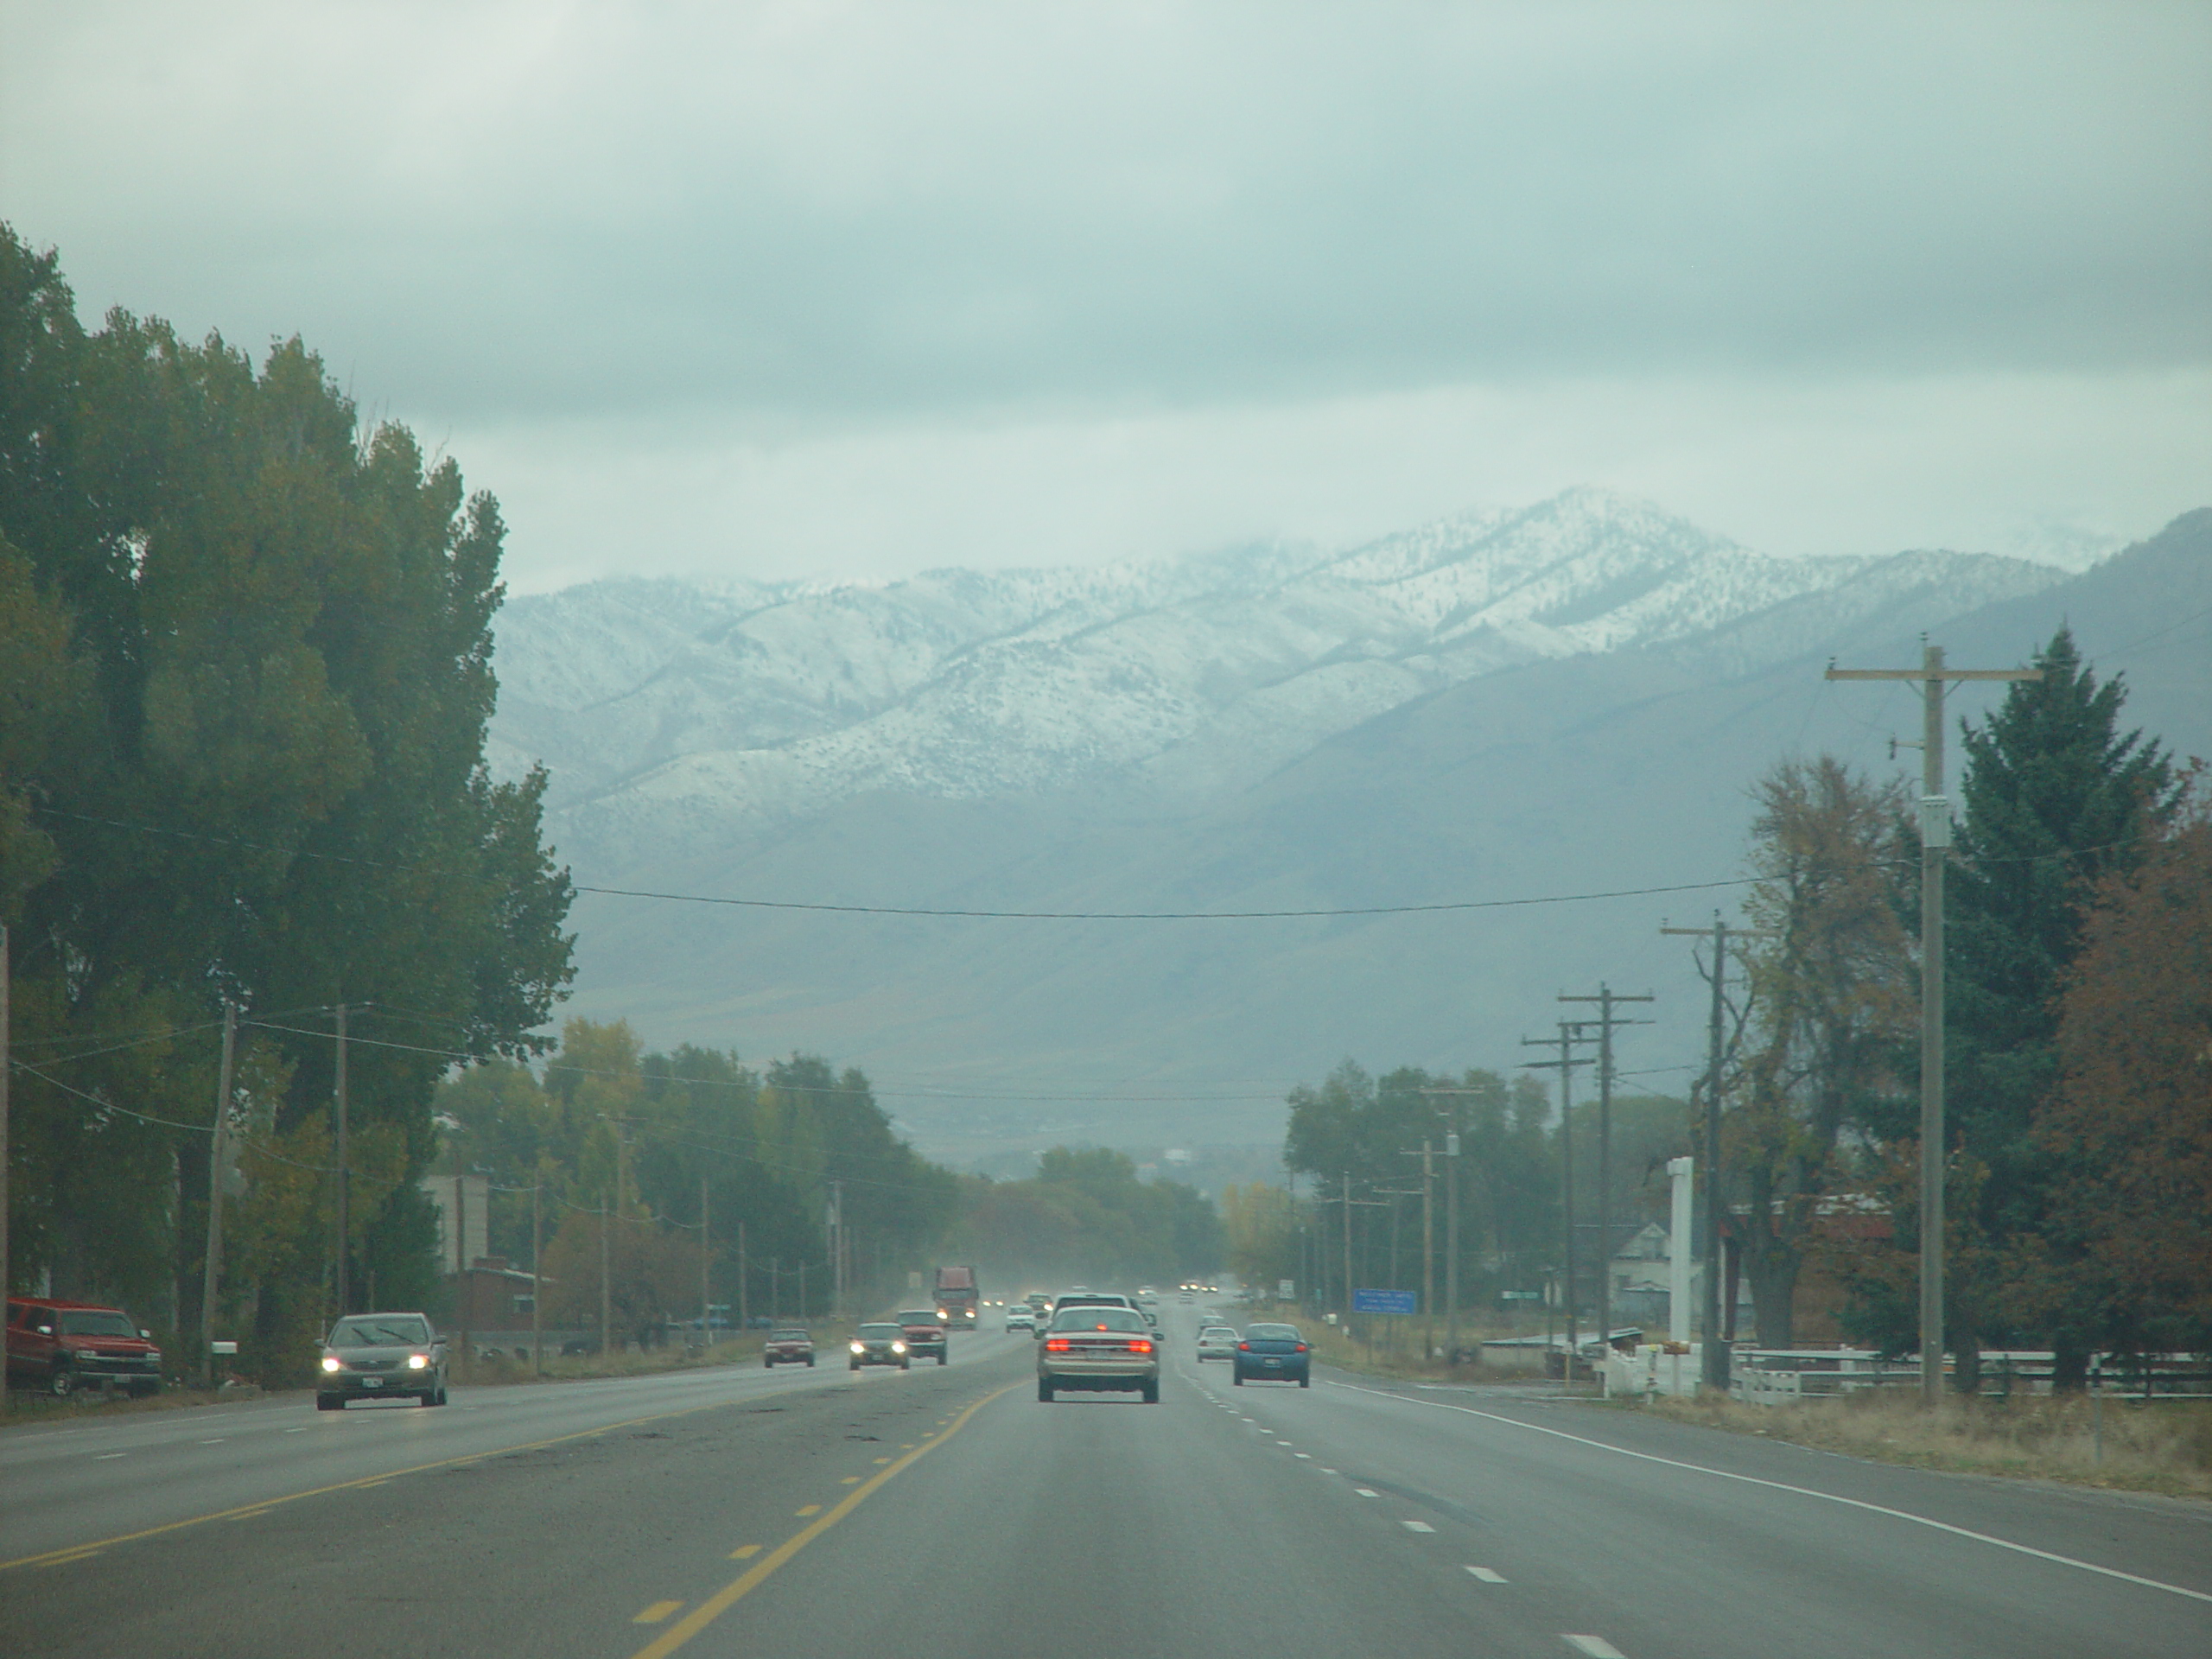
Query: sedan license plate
{"points": [[373, 1382], [1276, 1362]]}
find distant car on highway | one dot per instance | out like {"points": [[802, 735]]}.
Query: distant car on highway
{"points": [[880, 1344], [1092, 1349], [1021, 1317], [1217, 1342], [381, 1357], [1276, 1352], [789, 1346], [925, 1332], [64, 1346]]}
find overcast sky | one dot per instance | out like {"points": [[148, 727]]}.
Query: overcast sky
{"points": [[829, 290]]}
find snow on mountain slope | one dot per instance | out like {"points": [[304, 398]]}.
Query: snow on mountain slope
{"points": [[674, 716]]}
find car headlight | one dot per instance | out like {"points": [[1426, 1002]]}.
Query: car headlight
{"points": [[418, 1362], [330, 1361], [898, 1347], [859, 1348]]}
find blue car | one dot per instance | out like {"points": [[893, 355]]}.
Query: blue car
{"points": [[1275, 1352]]}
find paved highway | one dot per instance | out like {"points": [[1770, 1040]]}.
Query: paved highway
{"points": [[948, 1512]]}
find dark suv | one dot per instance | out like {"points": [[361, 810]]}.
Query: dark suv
{"points": [[63, 1346], [925, 1332]]}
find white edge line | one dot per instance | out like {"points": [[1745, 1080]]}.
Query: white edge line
{"points": [[1801, 1491], [1595, 1646]]}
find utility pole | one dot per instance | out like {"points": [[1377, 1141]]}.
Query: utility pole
{"points": [[1715, 1355], [836, 1250], [460, 1224], [344, 1186], [6, 1064], [606, 1294], [1605, 998], [1427, 1253], [1451, 1221], [742, 1320], [1935, 846], [1347, 1253], [537, 1275], [1570, 1032], [212, 1269], [706, 1309]]}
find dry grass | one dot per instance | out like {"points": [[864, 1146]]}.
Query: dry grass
{"points": [[739, 1350], [2165, 1446], [1404, 1362]]}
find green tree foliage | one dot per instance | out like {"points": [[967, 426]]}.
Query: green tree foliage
{"points": [[612, 1131], [2057, 796], [1087, 1217], [245, 675], [1352, 1124]]}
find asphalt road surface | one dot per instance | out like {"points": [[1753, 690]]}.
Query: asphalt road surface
{"points": [[946, 1511]]}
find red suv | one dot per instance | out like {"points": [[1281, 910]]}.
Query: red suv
{"points": [[62, 1346]]}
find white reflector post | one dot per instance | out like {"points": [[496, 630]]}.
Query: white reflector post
{"points": [[1680, 1172]]}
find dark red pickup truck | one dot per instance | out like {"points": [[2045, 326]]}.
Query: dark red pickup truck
{"points": [[62, 1346], [789, 1346]]}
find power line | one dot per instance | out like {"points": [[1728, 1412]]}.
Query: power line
{"points": [[813, 906]]}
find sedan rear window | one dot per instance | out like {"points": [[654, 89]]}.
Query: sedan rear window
{"points": [[788, 1336], [1271, 1332], [1098, 1319]]}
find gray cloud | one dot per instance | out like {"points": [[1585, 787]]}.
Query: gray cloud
{"points": [[814, 212]]}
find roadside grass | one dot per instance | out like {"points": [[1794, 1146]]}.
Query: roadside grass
{"points": [[1402, 1361], [27, 1406], [2165, 1446]]}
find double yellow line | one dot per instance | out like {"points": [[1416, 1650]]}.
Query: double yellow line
{"points": [[738, 1588]]}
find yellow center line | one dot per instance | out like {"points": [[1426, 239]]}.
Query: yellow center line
{"points": [[882, 1460], [654, 1614], [734, 1592], [64, 1560], [246, 1511], [850, 1480], [744, 1551], [811, 1509]]}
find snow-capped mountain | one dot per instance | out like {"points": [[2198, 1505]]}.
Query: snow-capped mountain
{"points": [[674, 716]]}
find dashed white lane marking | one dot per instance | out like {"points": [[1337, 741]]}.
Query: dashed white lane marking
{"points": [[1596, 1646], [1306, 1456], [295, 1431], [1282, 1442], [217, 1440], [1416, 1526], [1328, 1471], [1801, 1491], [1367, 1491], [104, 1456], [1486, 1575]]}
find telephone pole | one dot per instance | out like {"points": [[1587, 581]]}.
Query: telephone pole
{"points": [[1715, 1356], [345, 1194], [538, 1275], [1570, 1032], [1932, 679], [1605, 998], [706, 1307], [213, 1268], [6, 1064]]}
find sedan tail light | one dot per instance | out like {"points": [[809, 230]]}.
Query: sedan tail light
{"points": [[1140, 1346], [1301, 1347], [1246, 1346], [1057, 1344]]}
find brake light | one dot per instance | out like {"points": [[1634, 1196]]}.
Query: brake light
{"points": [[1301, 1347], [1246, 1346], [1140, 1346], [1056, 1345]]}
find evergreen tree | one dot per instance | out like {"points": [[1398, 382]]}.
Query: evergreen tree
{"points": [[2057, 797]]}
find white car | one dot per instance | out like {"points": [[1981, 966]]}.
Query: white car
{"points": [[1217, 1342], [1020, 1317]]}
